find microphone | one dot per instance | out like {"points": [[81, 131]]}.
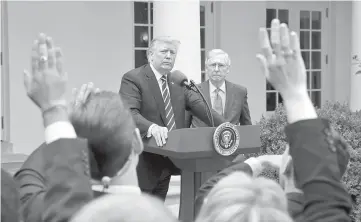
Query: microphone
{"points": [[182, 80]]}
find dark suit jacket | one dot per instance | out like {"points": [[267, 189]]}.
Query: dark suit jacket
{"points": [[140, 90], [52, 177], [315, 142], [236, 109]]}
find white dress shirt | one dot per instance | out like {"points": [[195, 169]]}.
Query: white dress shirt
{"points": [[65, 130], [222, 93], [160, 83], [117, 189]]}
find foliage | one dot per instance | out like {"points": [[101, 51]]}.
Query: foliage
{"points": [[347, 123]]}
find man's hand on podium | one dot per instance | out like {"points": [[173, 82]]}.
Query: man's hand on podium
{"points": [[160, 135]]}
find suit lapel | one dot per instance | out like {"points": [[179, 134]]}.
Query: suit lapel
{"points": [[154, 87], [229, 99]]}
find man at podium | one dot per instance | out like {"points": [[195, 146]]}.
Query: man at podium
{"points": [[228, 99], [158, 103]]}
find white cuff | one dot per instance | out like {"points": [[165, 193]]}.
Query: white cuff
{"points": [[59, 130], [149, 133], [255, 165]]}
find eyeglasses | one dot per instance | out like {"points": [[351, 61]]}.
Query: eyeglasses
{"points": [[219, 65]]}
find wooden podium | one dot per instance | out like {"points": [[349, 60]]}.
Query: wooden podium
{"points": [[192, 151]]}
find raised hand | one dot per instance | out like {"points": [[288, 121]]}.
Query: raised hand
{"points": [[282, 64], [79, 96], [46, 83]]}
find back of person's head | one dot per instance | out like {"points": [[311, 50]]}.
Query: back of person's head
{"points": [[108, 126], [241, 198], [124, 208], [10, 202]]}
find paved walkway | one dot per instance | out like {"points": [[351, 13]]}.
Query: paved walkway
{"points": [[172, 201]]}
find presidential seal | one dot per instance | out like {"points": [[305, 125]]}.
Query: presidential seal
{"points": [[226, 139]]}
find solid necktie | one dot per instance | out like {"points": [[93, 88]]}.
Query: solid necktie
{"points": [[217, 103], [168, 105]]}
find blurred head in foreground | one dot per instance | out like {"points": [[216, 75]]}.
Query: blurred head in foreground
{"points": [[124, 208], [241, 198]]}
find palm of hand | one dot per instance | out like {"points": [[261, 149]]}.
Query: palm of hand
{"points": [[46, 84], [287, 74]]}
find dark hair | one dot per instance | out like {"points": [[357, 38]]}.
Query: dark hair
{"points": [[107, 124], [10, 200]]}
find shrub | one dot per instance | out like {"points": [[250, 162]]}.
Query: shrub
{"points": [[347, 123]]}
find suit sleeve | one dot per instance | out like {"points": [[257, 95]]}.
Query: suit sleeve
{"points": [[315, 143], [32, 191], [195, 103], [68, 181], [132, 96], [188, 118], [209, 184], [245, 118]]}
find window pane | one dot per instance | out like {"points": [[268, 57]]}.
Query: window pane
{"points": [[151, 13], [316, 98], [141, 36], [316, 20], [270, 14], [140, 58], [316, 80], [151, 33], [308, 80], [269, 86], [271, 101], [280, 99], [283, 15], [304, 20], [202, 14], [316, 60], [141, 12], [316, 40], [305, 39], [306, 58], [203, 59]]}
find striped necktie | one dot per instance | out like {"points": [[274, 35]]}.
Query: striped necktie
{"points": [[168, 105]]}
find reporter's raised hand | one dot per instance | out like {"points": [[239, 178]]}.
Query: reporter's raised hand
{"points": [[281, 61], [160, 135], [79, 96], [46, 83]]}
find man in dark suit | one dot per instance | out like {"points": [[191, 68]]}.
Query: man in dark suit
{"points": [[228, 99], [158, 103]]}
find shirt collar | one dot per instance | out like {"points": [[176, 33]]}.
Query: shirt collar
{"points": [[222, 88], [156, 73], [116, 189]]}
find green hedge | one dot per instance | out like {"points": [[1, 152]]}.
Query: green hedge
{"points": [[347, 123]]}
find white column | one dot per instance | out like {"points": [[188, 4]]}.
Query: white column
{"points": [[355, 95], [181, 20]]}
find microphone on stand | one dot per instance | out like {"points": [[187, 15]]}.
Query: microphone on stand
{"points": [[182, 80]]}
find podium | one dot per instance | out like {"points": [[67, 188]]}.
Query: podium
{"points": [[192, 150]]}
